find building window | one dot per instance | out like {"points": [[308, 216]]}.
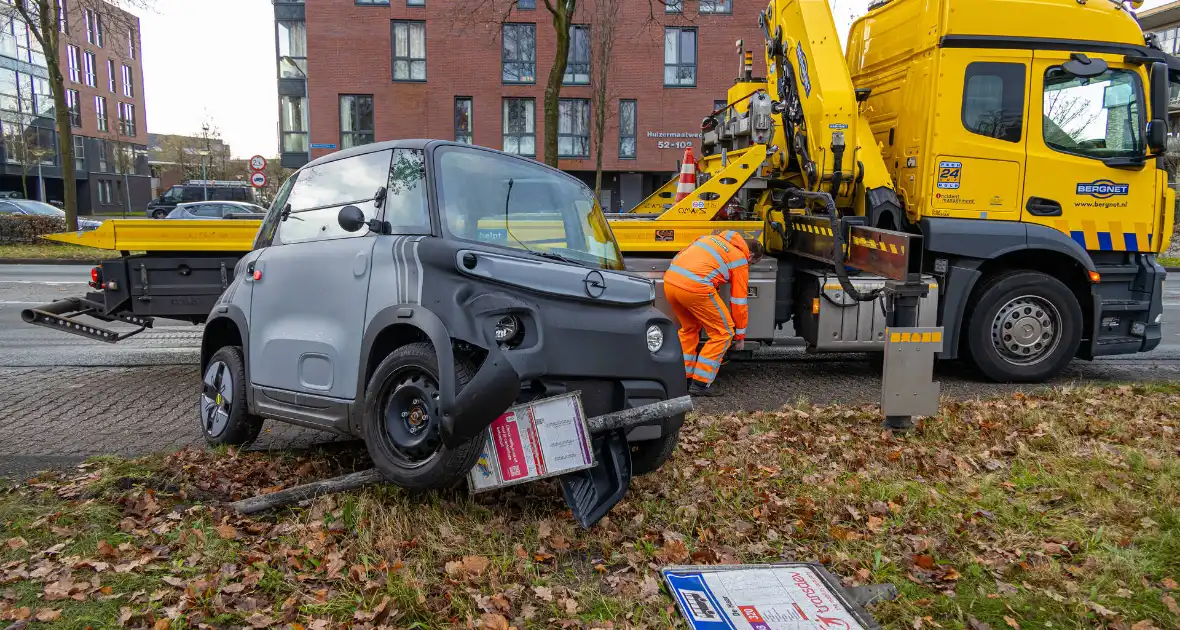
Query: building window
{"points": [[104, 192], [409, 51], [100, 112], [463, 112], [93, 27], [90, 73], [573, 127], [112, 82], [42, 98], [292, 50], [62, 21], [127, 119], [674, 6], [716, 6], [131, 43], [356, 120], [680, 57], [75, 108], [293, 124], [527, 5], [519, 56], [79, 153], [993, 99], [628, 110], [720, 105], [415, 3], [520, 118], [128, 82], [73, 64], [374, 2], [577, 68], [102, 155]]}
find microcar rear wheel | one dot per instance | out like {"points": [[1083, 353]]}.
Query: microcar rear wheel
{"points": [[402, 421], [159, 214], [225, 419], [649, 456]]}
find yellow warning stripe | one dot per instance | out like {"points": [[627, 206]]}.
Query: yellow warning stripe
{"points": [[926, 337]]}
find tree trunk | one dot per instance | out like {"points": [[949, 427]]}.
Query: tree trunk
{"points": [[599, 137], [65, 136], [562, 11]]}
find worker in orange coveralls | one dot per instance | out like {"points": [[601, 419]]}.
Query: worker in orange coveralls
{"points": [[691, 284]]}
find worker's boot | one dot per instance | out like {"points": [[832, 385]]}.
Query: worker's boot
{"points": [[696, 389]]}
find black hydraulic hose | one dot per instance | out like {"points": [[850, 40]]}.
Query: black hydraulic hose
{"points": [[838, 247], [838, 158]]}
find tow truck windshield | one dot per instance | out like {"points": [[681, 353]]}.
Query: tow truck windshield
{"points": [[510, 202]]}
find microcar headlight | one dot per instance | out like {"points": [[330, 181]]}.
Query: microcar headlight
{"points": [[508, 329], [655, 338]]}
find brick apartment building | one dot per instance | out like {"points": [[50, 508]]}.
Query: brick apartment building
{"points": [[101, 62], [356, 71]]}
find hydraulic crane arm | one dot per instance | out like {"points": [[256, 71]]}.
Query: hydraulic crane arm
{"points": [[819, 131]]}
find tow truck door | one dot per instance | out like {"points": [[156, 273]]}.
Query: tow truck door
{"points": [[310, 288], [1079, 128]]}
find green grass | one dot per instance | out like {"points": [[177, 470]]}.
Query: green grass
{"points": [[1057, 510], [52, 250], [1168, 261]]}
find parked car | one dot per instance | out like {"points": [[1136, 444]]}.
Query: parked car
{"points": [[213, 210], [30, 207], [200, 190]]}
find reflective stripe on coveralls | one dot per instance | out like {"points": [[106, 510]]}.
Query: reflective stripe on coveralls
{"points": [[691, 289]]}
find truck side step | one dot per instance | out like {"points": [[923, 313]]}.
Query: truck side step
{"points": [[60, 314]]}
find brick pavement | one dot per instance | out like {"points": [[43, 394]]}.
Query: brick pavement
{"points": [[56, 416]]}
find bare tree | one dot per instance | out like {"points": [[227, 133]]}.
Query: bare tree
{"points": [[603, 30], [46, 20]]}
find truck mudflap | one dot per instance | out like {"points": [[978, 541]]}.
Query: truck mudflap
{"points": [[61, 314]]}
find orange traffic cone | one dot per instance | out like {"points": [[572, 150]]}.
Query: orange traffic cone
{"points": [[688, 176]]}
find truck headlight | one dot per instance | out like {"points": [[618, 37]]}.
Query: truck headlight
{"points": [[655, 338]]}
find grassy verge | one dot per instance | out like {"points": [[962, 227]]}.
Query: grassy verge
{"points": [[1058, 510], [1168, 261], [52, 250]]}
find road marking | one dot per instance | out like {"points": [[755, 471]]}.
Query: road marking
{"points": [[40, 282]]}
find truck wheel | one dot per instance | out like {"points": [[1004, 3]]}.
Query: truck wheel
{"points": [[649, 456], [224, 416], [402, 421], [1025, 326]]}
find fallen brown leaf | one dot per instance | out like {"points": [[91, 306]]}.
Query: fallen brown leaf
{"points": [[475, 565], [1170, 602], [1169, 584], [875, 524], [493, 621], [544, 592], [1145, 624], [673, 552], [106, 549], [1011, 622], [163, 623], [226, 531], [569, 605], [925, 561], [17, 543], [46, 615]]}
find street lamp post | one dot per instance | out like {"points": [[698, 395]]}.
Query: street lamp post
{"points": [[204, 161]]}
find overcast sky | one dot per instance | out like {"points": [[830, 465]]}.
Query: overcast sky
{"points": [[189, 77]]}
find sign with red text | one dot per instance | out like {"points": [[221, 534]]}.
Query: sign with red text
{"points": [[541, 439], [761, 597]]}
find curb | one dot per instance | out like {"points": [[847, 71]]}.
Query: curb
{"points": [[47, 261]]}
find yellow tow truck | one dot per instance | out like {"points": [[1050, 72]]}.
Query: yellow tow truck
{"points": [[1005, 155], [1019, 143]]}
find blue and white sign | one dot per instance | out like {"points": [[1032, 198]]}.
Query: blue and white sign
{"points": [[322, 146], [757, 597]]}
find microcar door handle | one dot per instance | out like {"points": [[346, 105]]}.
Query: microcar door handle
{"points": [[1041, 207]]}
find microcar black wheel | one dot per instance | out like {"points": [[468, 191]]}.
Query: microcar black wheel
{"points": [[225, 418], [159, 214], [402, 421], [649, 456], [1025, 327]]}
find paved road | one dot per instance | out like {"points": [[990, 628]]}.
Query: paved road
{"points": [[63, 397]]}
